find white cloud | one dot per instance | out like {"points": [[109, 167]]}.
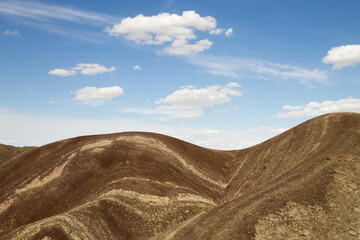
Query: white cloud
{"points": [[164, 27], [13, 33], [236, 67], [315, 108], [167, 28], [93, 93], [92, 68], [46, 12], [229, 32], [137, 67], [189, 98], [55, 18], [343, 56], [189, 101], [83, 68], [217, 31], [182, 47], [62, 72]]}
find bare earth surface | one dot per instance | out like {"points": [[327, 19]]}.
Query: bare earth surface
{"points": [[8, 152], [302, 184]]}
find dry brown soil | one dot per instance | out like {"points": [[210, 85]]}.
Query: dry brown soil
{"points": [[302, 184]]}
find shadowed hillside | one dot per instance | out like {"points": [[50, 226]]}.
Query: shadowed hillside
{"points": [[302, 184]]}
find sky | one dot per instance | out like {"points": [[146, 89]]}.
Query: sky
{"points": [[220, 74]]}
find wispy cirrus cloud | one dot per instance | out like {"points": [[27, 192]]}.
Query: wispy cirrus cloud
{"points": [[236, 67], [12, 33], [55, 18], [51, 12]]}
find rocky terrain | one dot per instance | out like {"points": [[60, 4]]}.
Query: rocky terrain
{"points": [[302, 184]]}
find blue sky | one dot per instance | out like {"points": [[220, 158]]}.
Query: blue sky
{"points": [[220, 74]]}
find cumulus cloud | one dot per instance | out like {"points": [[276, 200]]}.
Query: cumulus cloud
{"points": [[12, 33], [137, 67], [236, 67], [217, 31], [229, 32], [94, 94], [92, 68], [343, 56], [165, 27], [189, 98], [318, 108], [182, 47], [83, 68], [189, 101]]}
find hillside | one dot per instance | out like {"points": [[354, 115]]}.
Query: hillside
{"points": [[302, 184], [8, 152]]}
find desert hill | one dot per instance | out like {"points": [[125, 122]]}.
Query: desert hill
{"points": [[7, 152], [302, 184]]}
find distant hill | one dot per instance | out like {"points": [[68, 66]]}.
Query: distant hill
{"points": [[302, 184], [7, 152]]}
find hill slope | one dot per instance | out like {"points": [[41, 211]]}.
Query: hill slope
{"points": [[302, 184], [8, 152]]}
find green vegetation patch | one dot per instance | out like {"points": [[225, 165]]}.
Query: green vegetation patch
{"points": [[204, 208]]}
